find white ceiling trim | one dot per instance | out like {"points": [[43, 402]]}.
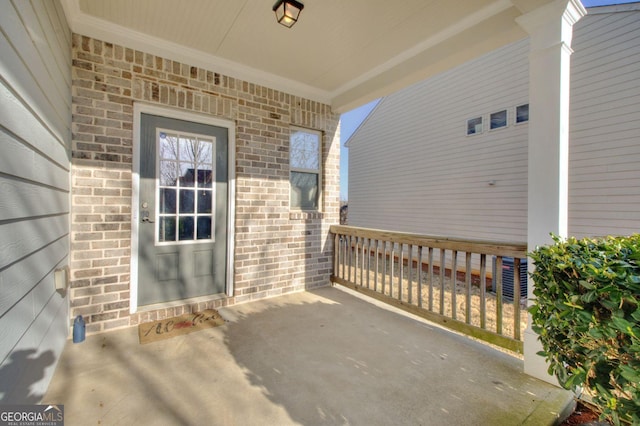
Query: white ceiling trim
{"points": [[466, 23], [91, 26]]}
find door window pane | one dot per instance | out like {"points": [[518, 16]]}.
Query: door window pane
{"points": [[167, 229], [204, 201], [187, 173], [169, 173], [204, 227], [185, 200], [167, 200], [187, 147], [168, 146], [205, 178], [185, 230]]}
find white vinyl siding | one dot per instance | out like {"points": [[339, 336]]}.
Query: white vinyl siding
{"points": [[35, 140], [604, 173], [413, 168]]}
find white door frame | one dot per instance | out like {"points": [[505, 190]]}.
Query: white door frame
{"points": [[142, 108]]}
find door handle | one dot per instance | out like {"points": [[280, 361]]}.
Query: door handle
{"points": [[145, 217]]}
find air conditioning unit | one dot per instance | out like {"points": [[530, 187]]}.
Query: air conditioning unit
{"points": [[507, 278]]}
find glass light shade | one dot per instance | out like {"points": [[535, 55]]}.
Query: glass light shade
{"points": [[287, 12]]}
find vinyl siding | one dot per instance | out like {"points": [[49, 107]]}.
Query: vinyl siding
{"points": [[412, 168], [604, 174], [35, 141]]}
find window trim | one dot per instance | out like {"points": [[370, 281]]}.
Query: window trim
{"points": [[318, 171]]}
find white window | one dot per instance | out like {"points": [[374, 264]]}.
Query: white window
{"points": [[522, 113], [474, 126], [305, 154], [498, 120]]}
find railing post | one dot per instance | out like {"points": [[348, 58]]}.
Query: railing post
{"points": [[336, 254], [400, 270], [430, 277], [454, 280], [343, 249], [350, 251], [516, 298], [356, 252], [393, 261], [368, 261], [498, 281], [409, 274], [419, 272], [375, 276], [443, 267], [467, 304], [384, 266], [483, 291]]}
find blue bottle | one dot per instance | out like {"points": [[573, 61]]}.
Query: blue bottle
{"points": [[78, 329]]}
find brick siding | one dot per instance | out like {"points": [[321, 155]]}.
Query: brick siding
{"points": [[276, 251]]}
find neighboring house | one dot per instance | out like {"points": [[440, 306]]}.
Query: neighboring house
{"points": [[448, 156]]}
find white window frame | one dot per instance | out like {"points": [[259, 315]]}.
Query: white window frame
{"points": [[317, 171]]}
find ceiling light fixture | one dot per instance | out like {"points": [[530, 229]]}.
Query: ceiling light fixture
{"points": [[287, 12]]}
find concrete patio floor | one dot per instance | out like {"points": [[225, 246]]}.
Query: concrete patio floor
{"points": [[324, 357]]}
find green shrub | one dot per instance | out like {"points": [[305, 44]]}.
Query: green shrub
{"points": [[587, 315]]}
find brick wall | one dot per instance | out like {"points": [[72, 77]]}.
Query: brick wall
{"points": [[276, 251]]}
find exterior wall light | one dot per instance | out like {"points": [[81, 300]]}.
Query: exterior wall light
{"points": [[287, 12]]}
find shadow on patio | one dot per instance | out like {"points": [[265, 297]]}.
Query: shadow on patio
{"points": [[321, 357]]}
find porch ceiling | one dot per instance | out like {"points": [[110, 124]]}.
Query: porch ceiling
{"points": [[340, 52]]}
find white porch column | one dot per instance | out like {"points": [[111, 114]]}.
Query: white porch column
{"points": [[550, 31]]}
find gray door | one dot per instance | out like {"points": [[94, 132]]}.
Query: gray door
{"points": [[182, 234]]}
